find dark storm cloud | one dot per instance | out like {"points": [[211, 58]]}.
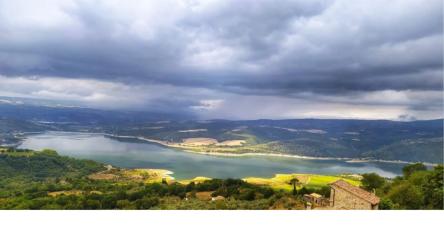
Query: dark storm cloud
{"points": [[327, 51], [319, 46]]}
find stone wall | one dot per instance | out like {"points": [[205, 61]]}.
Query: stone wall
{"points": [[342, 199]]}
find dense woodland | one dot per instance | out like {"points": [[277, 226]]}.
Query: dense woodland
{"points": [[46, 180], [28, 178], [418, 188]]}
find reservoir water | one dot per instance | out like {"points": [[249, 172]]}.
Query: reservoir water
{"points": [[132, 153]]}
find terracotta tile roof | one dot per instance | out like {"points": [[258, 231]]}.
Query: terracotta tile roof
{"points": [[361, 193]]}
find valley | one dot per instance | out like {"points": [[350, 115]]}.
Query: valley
{"points": [[128, 152], [115, 160], [46, 180], [382, 140]]}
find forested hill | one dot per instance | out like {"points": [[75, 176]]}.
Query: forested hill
{"points": [[415, 141], [41, 165], [46, 180]]}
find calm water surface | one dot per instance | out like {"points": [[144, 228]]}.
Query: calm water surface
{"points": [[136, 154]]}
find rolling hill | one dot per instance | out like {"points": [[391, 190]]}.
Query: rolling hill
{"points": [[415, 141]]}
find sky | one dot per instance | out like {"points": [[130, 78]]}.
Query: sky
{"points": [[229, 59]]}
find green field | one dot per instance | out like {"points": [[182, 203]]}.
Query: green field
{"points": [[282, 181], [14, 152]]}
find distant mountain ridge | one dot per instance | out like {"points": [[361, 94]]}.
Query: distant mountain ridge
{"points": [[414, 141]]}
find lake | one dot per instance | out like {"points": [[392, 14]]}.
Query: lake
{"points": [[132, 153]]}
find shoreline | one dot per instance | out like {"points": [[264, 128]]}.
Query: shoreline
{"points": [[239, 155], [222, 154]]}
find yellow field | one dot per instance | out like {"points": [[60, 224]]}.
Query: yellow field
{"points": [[198, 141], [141, 175], [66, 193], [196, 180], [231, 143], [282, 181]]}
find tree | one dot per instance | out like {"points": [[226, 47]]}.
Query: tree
{"points": [[304, 190], [325, 191], [433, 189], [124, 204], [91, 204], [190, 187], [411, 168], [248, 195], [147, 202], [406, 196], [372, 181], [386, 203], [294, 181]]}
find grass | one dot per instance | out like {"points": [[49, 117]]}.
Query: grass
{"points": [[139, 175], [281, 181], [66, 193], [196, 180], [16, 153]]}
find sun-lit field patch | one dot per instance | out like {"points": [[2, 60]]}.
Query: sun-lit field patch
{"points": [[196, 180], [282, 181], [15, 152], [141, 175], [66, 193], [199, 141], [103, 176], [231, 143]]}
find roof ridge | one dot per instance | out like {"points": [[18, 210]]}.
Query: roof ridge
{"points": [[357, 191]]}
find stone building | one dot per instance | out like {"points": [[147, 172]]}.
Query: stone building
{"points": [[347, 196], [315, 200]]}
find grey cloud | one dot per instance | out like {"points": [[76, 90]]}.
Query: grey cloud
{"points": [[327, 48], [278, 39], [406, 117]]}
